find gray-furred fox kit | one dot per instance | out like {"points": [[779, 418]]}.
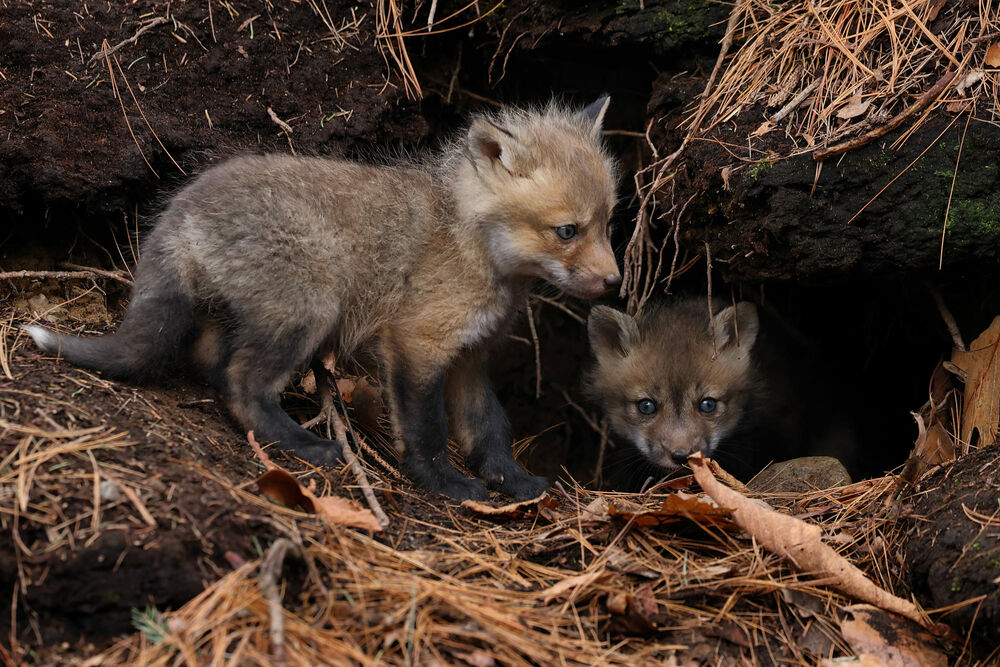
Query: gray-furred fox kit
{"points": [[264, 263], [673, 381]]}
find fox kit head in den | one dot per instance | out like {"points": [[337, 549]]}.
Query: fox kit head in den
{"points": [[672, 381], [539, 188]]}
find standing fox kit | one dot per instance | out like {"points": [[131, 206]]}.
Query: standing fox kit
{"points": [[674, 381], [262, 264]]}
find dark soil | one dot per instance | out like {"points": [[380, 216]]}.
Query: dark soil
{"points": [[204, 84], [953, 548]]}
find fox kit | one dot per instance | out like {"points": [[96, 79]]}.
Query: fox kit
{"points": [[262, 264], [674, 381]]}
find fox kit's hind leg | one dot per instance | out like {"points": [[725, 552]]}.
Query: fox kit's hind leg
{"points": [[480, 424], [255, 373], [416, 391]]}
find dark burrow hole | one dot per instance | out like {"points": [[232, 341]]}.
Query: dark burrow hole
{"points": [[879, 341]]}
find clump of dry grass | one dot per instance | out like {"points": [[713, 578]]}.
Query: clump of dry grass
{"points": [[852, 65], [820, 77], [567, 585]]}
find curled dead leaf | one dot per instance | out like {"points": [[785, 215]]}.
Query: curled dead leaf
{"points": [[800, 543], [678, 507], [627, 616], [993, 55], [892, 641], [281, 486], [368, 404], [346, 512], [981, 366], [854, 108]]}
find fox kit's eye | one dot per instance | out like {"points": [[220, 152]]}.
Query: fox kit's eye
{"points": [[708, 405], [645, 406], [566, 232]]}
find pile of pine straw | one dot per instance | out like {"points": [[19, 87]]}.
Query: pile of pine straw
{"points": [[823, 77], [564, 585], [580, 578]]}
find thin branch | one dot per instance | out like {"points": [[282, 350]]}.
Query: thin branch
{"points": [[926, 99], [105, 51]]}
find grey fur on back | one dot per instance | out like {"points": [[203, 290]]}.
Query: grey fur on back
{"points": [[264, 263]]}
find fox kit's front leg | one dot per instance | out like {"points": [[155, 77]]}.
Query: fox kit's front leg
{"points": [[480, 425], [416, 393]]}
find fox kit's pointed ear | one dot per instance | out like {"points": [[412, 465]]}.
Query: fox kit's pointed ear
{"points": [[594, 114], [492, 145], [737, 325], [611, 331]]}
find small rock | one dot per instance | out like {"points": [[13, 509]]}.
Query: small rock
{"points": [[109, 491], [41, 307], [801, 475]]}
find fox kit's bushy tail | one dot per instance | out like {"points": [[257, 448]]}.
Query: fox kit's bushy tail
{"points": [[157, 325]]}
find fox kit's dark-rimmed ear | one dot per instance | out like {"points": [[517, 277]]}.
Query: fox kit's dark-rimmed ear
{"points": [[737, 325], [594, 114], [611, 331], [491, 145]]}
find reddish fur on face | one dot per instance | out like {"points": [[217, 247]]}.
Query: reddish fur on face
{"points": [[667, 355], [535, 174]]}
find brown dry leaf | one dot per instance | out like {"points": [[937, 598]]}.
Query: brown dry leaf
{"points": [[596, 510], [281, 486], [567, 586], [993, 55], [366, 399], [308, 382], [627, 617], [678, 507], [346, 512], [800, 543], [854, 108], [513, 510], [764, 128], [346, 388], [891, 641], [981, 365]]}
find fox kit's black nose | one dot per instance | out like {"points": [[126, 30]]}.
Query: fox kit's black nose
{"points": [[613, 280], [680, 455]]}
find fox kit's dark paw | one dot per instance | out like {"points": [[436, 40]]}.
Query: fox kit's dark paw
{"points": [[316, 451], [522, 487], [502, 473], [445, 480], [460, 488]]}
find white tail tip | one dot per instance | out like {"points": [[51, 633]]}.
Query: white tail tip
{"points": [[46, 340]]}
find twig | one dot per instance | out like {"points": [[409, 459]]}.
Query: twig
{"points": [[599, 466], [951, 192], [340, 432], [58, 275], [949, 319], [270, 573], [277, 121], [105, 51], [711, 314], [113, 275], [727, 43], [534, 340], [329, 412], [924, 100], [794, 102]]}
